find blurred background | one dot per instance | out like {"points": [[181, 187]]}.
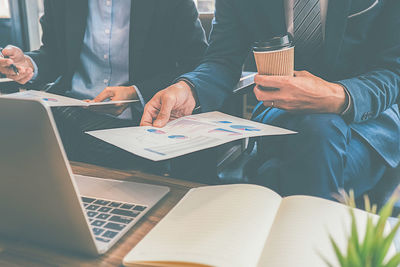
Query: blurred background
{"points": [[19, 21]]}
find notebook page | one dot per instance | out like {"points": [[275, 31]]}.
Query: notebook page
{"points": [[216, 225], [302, 229]]}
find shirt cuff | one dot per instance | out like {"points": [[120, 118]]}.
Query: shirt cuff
{"points": [[349, 101], [141, 99], [35, 69]]}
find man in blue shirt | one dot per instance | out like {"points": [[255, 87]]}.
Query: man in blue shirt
{"points": [[108, 49]]}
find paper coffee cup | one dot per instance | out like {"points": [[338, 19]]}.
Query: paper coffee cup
{"points": [[275, 56]]}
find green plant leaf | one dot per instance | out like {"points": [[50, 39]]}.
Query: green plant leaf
{"points": [[352, 255], [394, 262], [367, 203], [368, 242], [352, 200], [373, 249], [325, 260], [354, 232], [384, 214], [387, 242], [339, 254]]}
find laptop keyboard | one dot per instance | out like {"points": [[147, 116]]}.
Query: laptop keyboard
{"points": [[108, 218]]}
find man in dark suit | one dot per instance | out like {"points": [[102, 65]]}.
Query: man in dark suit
{"points": [[108, 49], [345, 112]]}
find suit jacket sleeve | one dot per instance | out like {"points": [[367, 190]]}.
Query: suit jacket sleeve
{"points": [[190, 46], [378, 89], [221, 68], [47, 57]]}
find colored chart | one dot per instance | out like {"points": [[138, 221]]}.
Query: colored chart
{"points": [[155, 131], [179, 137], [50, 99], [221, 130], [224, 122], [245, 128]]}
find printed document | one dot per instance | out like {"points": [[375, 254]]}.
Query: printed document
{"points": [[53, 100], [185, 135]]}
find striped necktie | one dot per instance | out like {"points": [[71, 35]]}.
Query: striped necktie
{"points": [[308, 37]]}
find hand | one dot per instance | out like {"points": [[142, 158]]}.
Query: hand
{"points": [[302, 93], [171, 103], [115, 93], [22, 62]]}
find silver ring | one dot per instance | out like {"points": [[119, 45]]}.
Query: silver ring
{"points": [[272, 104]]}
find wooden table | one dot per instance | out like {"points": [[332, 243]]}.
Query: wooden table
{"points": [[19, 253]]}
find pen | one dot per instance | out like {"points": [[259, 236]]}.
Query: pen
{"points": [[12, 65]]}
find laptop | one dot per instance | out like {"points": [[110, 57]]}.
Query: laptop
{"points": [[42, 201]]}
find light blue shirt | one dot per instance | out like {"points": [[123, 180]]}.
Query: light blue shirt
{"points": [[104, 58]]}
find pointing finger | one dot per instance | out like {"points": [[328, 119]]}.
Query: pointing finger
{"points": [[167, 104], [147, 117]]}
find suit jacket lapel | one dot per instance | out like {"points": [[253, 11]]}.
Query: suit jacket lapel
{"points": [[75, 26], [336, 23], [142, 14]]}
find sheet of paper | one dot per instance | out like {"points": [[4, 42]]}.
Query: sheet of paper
{"points": [[5, 80], [301, 229], [224, 226], [53, 100], [185, 135]]}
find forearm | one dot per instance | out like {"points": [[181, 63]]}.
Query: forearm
{"points": [[214, 79], [212, 83]]}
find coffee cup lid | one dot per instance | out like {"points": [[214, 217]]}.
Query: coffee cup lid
{"points": [[275, 43]]}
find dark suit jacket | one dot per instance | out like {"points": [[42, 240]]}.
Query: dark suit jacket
{"points": [[362, 51], [166, 40]]}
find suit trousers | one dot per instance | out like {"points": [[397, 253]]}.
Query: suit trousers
{"points": [[323, 157]]}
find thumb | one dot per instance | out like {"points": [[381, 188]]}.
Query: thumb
{"points": [[105, 94], [167, 103], [12, 52]]}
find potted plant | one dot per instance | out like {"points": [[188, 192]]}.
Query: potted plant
{"points": [[372, 250]]}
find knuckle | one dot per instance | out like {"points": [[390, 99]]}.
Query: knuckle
{"points": [[259, 79], [167, 97], [146, 109], [162, 115]]}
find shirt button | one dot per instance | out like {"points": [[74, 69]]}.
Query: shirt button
{"points": [[107, 31], [105, 56], [105, 81], [108, 2]]}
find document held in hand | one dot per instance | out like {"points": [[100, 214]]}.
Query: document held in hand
{"points": [[53, 100], [185, 135], [247, 226]]}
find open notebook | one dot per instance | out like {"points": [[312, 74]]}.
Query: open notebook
{"points": [[246, 225]]}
